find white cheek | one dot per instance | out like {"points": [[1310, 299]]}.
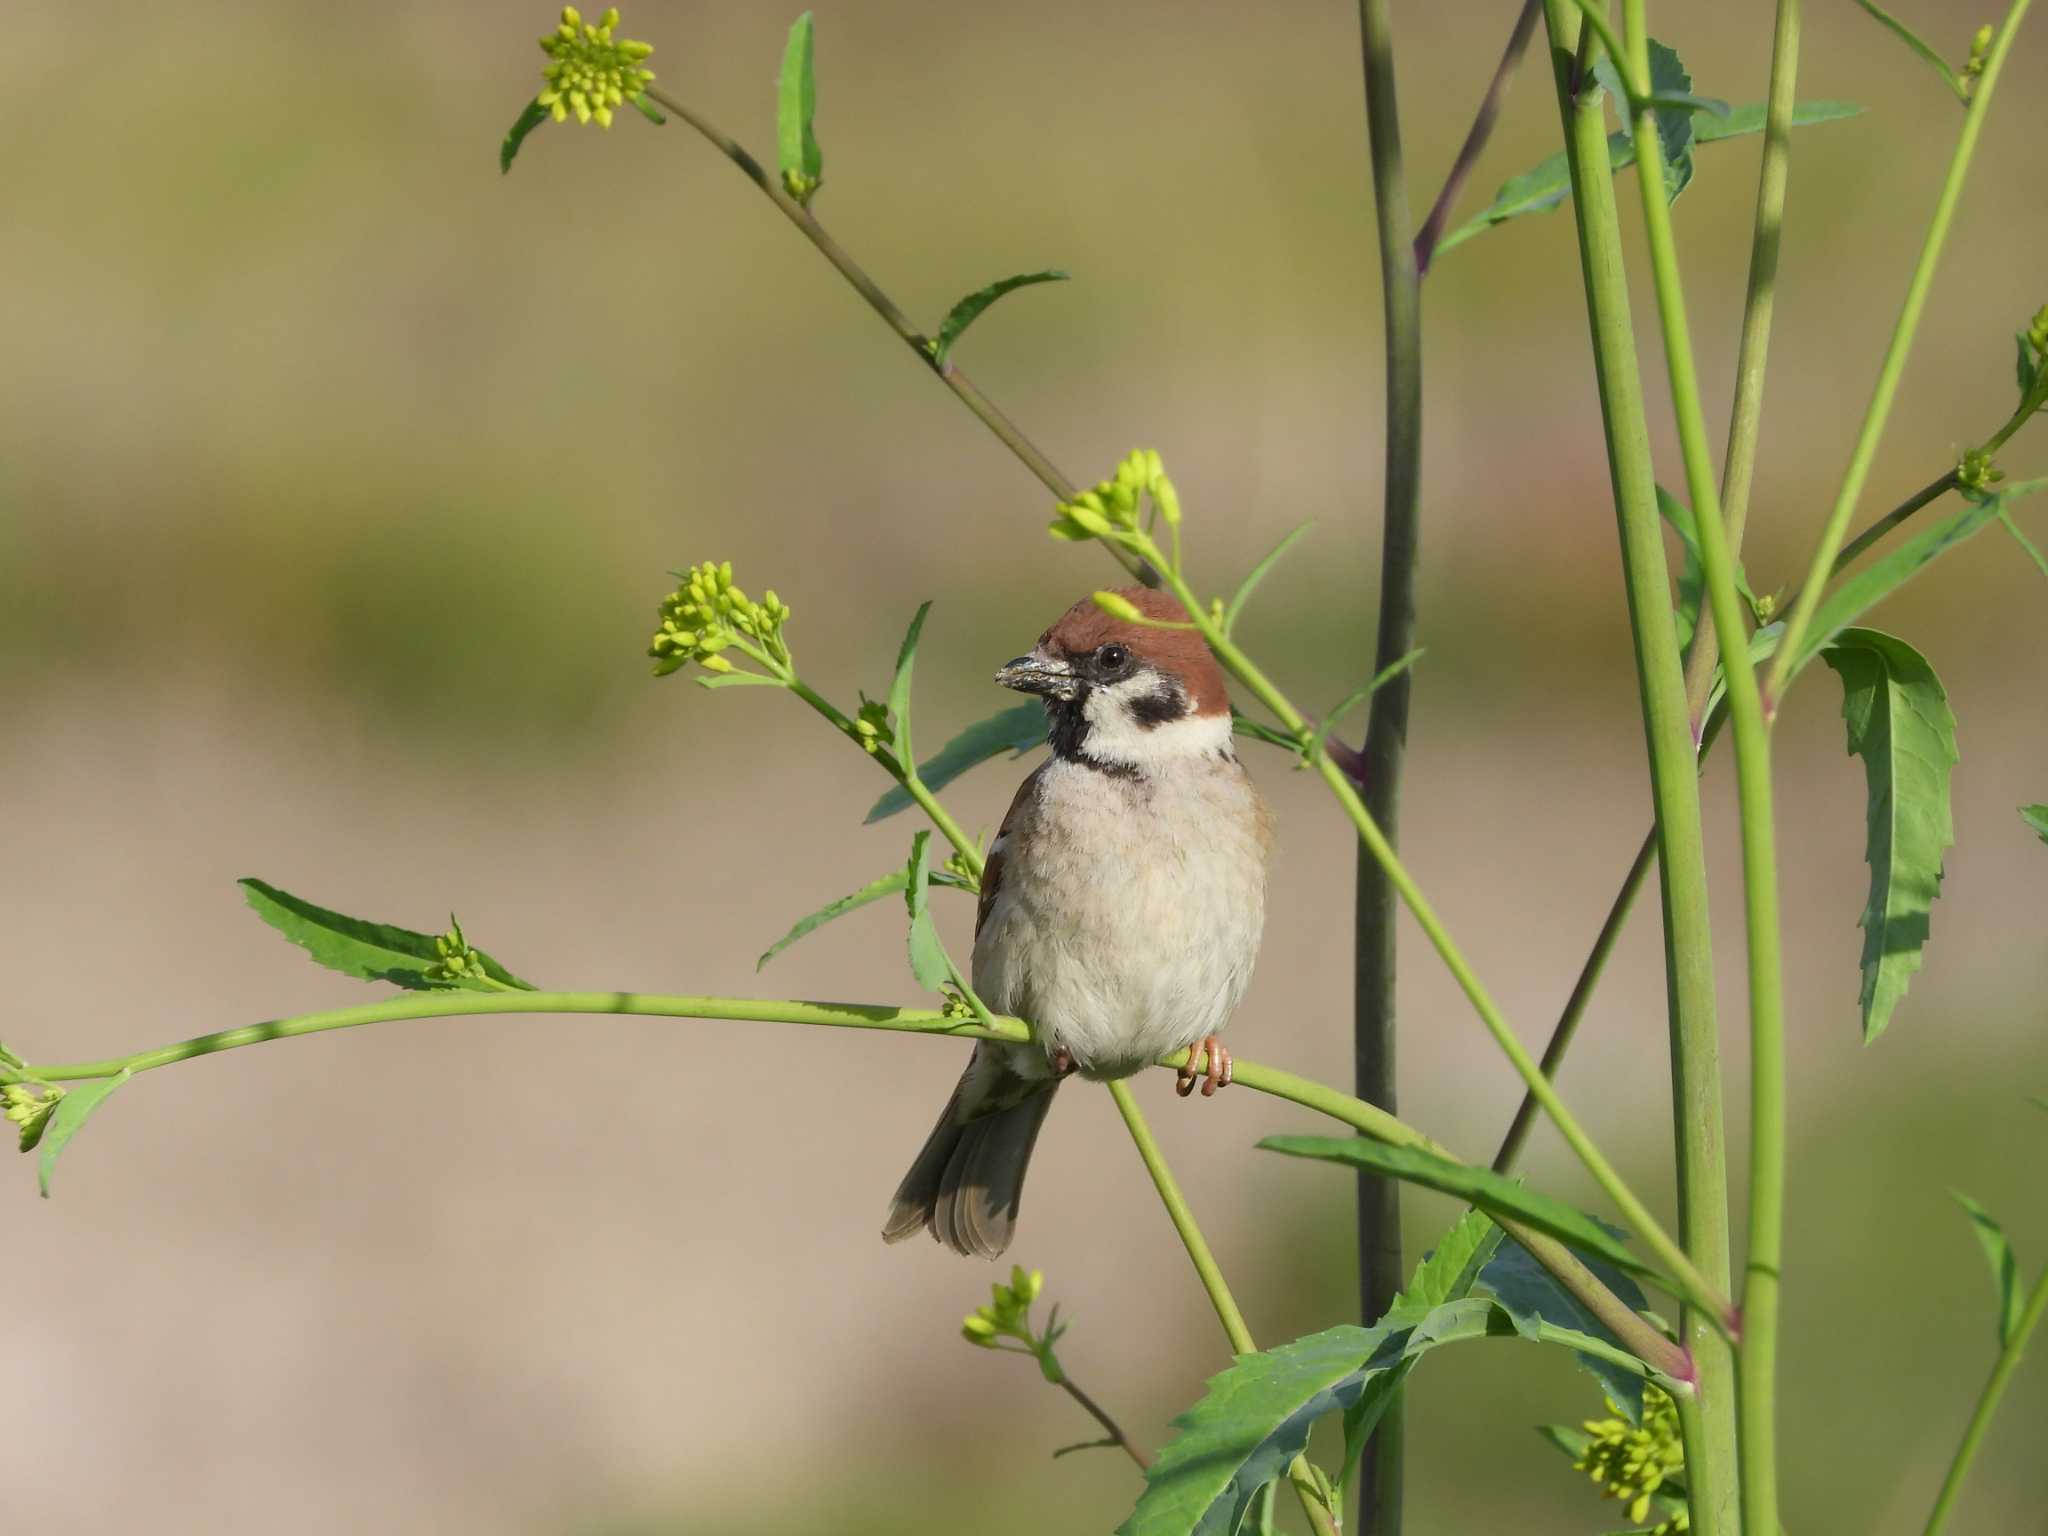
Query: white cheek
{"points": [[1115, 737]]}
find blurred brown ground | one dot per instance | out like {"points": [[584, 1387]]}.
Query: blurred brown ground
{"points": [[329, 538]]}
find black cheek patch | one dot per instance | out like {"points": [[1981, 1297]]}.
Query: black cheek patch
{"points": [[1152, 710]]}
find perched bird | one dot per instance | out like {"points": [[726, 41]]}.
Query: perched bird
{"points": [[1121, 904]]}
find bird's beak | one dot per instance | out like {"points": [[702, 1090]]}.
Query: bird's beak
{"points": [[1041, 674]]}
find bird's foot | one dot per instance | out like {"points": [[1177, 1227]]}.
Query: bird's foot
{"points": [[1216, 1076], [1062, 1061]]}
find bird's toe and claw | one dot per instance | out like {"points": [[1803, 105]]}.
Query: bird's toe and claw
{"points": [[1217, 1074]]}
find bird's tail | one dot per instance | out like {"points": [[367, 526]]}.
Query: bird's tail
{"points": [[968, 1182]]}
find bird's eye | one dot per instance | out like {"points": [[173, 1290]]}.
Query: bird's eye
{"points": [[1113, 658]]}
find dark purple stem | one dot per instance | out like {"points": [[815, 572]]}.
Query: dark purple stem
{"points": [[1475, 140]]}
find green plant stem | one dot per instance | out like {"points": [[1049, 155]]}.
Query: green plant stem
{"points": [[969, 394], [1677, 839], [1694, 1286], [1476, 136], [1894, 366], [1369, 1119], [1738, 467], [1114, 1430], [1987, 1405], [1374, 1034], [1756, 1415], [1240, 1336]]}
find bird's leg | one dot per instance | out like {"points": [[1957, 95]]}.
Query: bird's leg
{"points": [[1062, 1061], [1216, 1076]]}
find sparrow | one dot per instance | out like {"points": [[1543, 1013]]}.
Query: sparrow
{"points": [[1121, 904]]}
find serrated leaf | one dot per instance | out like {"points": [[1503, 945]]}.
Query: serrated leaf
{"points": [[796, 104], [1492, 1192], [2036, 816], [1532, 1298], [899, 686], [78, 1102], [1918, 44], [1899, 724], [365, 950], [2005, 1265], [1015, 730], [1446, 1274], [531, 116], [928, 962], [873, 891], [1548, 184], [968, 310], [1671, 96], [1257, 574]]}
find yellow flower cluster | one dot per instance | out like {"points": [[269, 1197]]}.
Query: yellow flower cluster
{"points": [[1980, 55], [456, 960], [1112, 507], [1008, 1314], [589, 72], [1630, 1462], [707, 615], [29, 1106]]}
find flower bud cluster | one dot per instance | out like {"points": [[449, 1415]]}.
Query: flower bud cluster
{"points": [[1631, 1462], [1980, 55], [1976, 472], [1008, 1314], [707, 615], [29, 1106], [872, 725], [455, 960], [589, 72], [1111, 510]]}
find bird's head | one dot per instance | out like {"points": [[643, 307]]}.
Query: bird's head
{"points": [[1126, 697]]}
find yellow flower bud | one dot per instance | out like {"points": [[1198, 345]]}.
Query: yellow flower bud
{"points": [[1116, 606]]}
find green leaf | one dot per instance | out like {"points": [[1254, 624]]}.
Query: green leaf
{"points": [[70, 1113], [1918, 44], [647, 109], [1490, 1191], [1243, 725], [367, 951], [2005, 1266], [2026, 544], [796, 103], [1385, 675], [873, 891], [1876, 581], [1679, 516], [1532, 1298], [1573, 1442], [1257, 574], [1670, 93], [531, 116], [1900, 725], [2025, 369], [735, 679], [899, 686], [928, 962], [1015, 730], [969, 309], [1447, 1273], [2036, 816], [1549, 184]]}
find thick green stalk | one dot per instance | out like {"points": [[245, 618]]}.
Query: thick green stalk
{"points": [[1894, 365], [1987, 1405], [1375, 927], [1697, 1123], [1241, 1342], [1745, 419], [1756, 1416]]}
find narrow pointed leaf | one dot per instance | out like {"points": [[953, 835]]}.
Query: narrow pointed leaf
{"points": [[531, 116], [873, 891], [739, 680], [899, 686], [1393, 669], [2026, 368], [2005, 1265], [71, 1111], [2026, 544], [1490, 1191], [969, 309], [648, 109], [365, 950], [1257, 574], [1917, 43], [1899, 724], [1015, 730], [796, 104], [1549, 183], [2036, 816], [928, 962]]}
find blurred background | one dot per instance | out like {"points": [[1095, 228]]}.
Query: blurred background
{"points": [[339, 478]]}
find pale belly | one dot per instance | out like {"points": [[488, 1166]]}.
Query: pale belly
{"points": [[1131, 929]]}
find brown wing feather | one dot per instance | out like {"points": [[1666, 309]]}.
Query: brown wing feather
{"points": [[992, 866]]}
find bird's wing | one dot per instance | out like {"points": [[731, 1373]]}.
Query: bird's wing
{"points": [[999, 851]]}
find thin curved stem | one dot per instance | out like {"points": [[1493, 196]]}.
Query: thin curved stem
{"points": [[1896, 352], [1477, 135], [1095, 1411], [1987, 1405], [969, 394], [1211, 1274]]}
